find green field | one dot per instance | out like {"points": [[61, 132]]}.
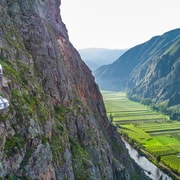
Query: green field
{"points": [[146, 129]]}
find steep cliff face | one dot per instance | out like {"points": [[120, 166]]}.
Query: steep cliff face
{"points": [[56, 126]]}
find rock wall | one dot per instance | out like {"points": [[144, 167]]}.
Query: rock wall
{"points": [[56, 126]]}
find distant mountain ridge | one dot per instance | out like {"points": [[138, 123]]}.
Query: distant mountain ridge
{"points": [[150, 72], [96, 57]]}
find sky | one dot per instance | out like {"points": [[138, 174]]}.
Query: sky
{"points": [[118, 24]]}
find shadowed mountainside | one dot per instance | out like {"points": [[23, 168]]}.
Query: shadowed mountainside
{"points": [[150, 72]]}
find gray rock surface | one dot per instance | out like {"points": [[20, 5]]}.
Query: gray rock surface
{"points": [[56, 126]]}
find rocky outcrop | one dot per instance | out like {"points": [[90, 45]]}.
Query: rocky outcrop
{"points": [[56, 126]]}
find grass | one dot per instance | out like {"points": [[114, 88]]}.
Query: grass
{"points": [[145, 128], [122, 108], [172, 161]]}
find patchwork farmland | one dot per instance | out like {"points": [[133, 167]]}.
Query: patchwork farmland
{"points": [[148, 130]]}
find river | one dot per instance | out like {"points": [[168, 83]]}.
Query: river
{"points": [[149, 168]]}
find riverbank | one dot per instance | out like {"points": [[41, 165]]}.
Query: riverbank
{"points": [[150, 169], [161, 165]]}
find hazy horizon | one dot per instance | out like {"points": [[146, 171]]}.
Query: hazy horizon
{"points": [[117, 25]]}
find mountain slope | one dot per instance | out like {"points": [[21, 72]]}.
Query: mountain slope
{"points": [[56, 126], [148, 71], [96, 57]]}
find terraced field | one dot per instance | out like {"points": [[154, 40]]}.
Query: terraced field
{"points": [[147, 129]]}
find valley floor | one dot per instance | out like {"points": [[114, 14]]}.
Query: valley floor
{"points": [[145, 129]]}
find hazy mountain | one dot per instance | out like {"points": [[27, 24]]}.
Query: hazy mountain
{"points": [[150, 72], [96, 57]]}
